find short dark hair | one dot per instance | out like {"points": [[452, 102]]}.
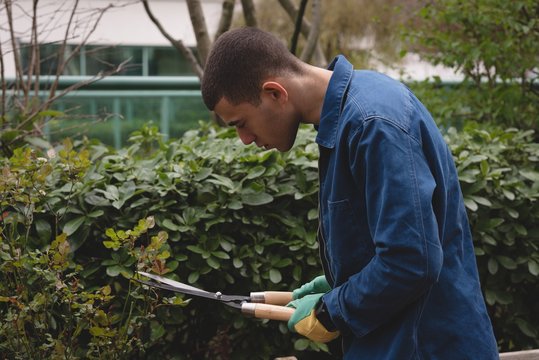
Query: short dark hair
{"points": [[239, 61]]}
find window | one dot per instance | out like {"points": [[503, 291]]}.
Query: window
{"points": [[91, 59]]}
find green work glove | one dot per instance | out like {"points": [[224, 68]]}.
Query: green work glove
{"points": [[304, 321], [316, 286]]}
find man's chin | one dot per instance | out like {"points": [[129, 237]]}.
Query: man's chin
{"points": [[283, 148]]}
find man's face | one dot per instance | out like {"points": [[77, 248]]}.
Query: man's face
{"points": [[270, 125]]}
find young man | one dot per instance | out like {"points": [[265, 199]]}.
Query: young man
{"points": [[395, 243]]}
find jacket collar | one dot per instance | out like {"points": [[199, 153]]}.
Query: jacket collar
{"points": [[334, 101]]}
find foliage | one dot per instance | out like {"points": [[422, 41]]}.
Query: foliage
{"points": [[495, 44], [47, 308], [237, 219], [499, 176], [232, 215]]}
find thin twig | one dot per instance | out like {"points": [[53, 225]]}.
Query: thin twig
{"points": [[298, 26], [178, 44], [61, 51], [3, 104], [226, 18], [249, 13], [18, 66], [312, 40], [198, 21]]}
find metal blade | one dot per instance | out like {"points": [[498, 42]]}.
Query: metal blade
{"points": [[171, 282], [176, 286]]}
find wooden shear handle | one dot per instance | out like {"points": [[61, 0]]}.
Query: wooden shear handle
{"points": [[272, 297], [267, 311]]}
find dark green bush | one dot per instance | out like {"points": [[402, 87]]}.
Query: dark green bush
{"points": [[238, 220], [499, 175], [495, 45]]}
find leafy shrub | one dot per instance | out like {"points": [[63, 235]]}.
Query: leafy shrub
{"points": [[239, 219], [499, 176], [495, 45], [47, 309]]}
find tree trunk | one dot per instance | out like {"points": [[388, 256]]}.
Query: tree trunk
{"points": [[178, 44], [292, 11], [249, 13], [226, 17], [200, 29], [312, 40]]}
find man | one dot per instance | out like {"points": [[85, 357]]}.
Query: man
{"points": [[395, 244]]}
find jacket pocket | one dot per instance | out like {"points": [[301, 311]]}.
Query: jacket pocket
{"points": [[349, 244]]}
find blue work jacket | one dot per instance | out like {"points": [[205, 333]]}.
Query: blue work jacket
{"points": [[394, 236]]}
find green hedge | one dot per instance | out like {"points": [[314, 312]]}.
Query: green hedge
{"points": [[499, 175], [209, 211]]}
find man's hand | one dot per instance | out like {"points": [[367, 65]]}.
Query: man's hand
{"points": [[305, 322], [316, 286]]}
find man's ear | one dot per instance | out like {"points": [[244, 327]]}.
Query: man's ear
{"points": [[275, 90]]}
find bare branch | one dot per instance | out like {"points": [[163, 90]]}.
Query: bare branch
{"points": [[18, 66], [297, 27], [34, 45], [45, 105], [292, 12], [249, 13], [101, 75], [312, 40], [178, 44], [4, 87], [226, 17], [200, 29]]}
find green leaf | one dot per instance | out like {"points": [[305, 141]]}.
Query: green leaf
{"points": [[71, 226], [114, 270], [492, 266], [256, 172], [527, 328], [111, 193], [43, 229], [213, 263], [96, 214], [202, 174], [275, 276], [157, 330], [222, 180], [301, 344], [220, 255], [234, 205], [530, 175], [481, 200], [167, 223], [238, 264], [508, 194], [193, 277], [521, 230], [506, 262], [470, 204], [533, 268], [196, 249], [256, 199]]}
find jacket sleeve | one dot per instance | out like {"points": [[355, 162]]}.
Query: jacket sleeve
{"points": [[398, 186]]}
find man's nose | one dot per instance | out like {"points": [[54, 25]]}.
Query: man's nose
{"points": [[245, 136]]}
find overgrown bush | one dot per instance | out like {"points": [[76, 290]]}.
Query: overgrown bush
{"points": [[495, 45], [499, 176], [238, 220], [47, 309]]}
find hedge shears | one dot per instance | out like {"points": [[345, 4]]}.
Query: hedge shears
{"points": [[262, 305]]}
